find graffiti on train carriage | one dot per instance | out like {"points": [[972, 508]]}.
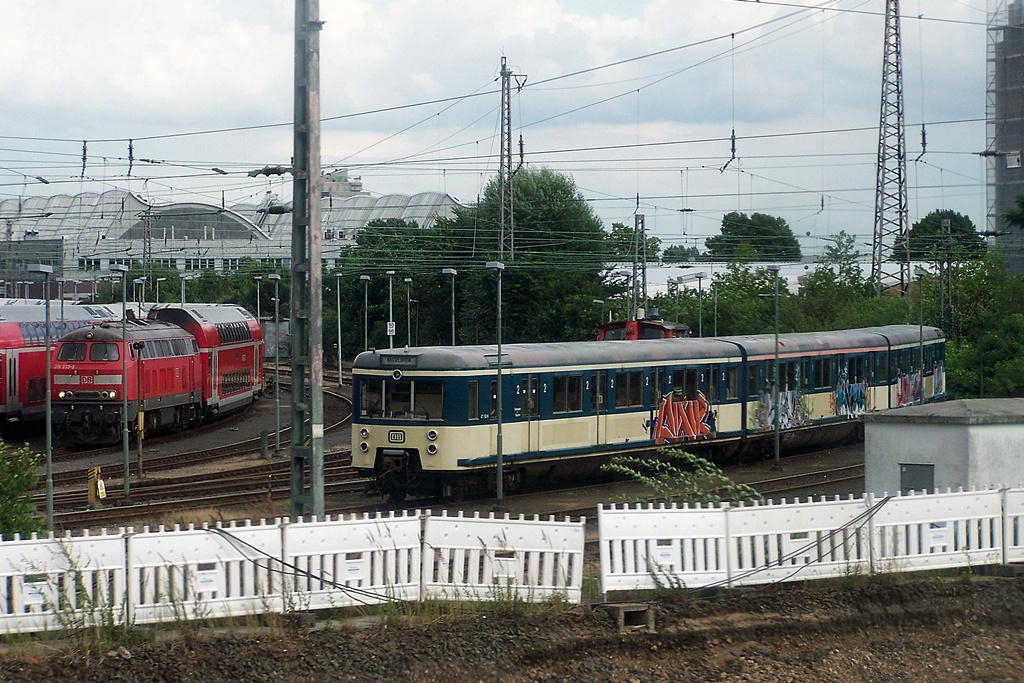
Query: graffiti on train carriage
{"points": [[680, 419]]}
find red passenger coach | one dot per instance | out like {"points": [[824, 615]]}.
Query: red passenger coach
{"points": [[184, 365], [23, 353], [230, 351]]}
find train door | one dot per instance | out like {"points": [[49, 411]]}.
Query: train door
{"points": [[527, 409], [598, 387], [12, 385]]}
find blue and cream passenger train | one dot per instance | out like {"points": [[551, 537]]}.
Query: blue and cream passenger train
{"points": [[426, 418]]}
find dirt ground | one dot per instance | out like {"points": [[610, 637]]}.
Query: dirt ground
{"points": [[965, 628]]}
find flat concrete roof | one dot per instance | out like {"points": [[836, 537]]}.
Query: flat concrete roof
{"points": [[977, 411]]}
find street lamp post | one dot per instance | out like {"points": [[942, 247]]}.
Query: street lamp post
{"points": [[714, 288], [453, 273], [391, 311], [140, 283], [675, 283], [61, 281], [275, 278], [700, 304], [776, 397], [337, 283], [408, 313], [123, 269], [498, 267], [366, 298], [920, 273], [416, 322], [47, 271], [257, 278]]}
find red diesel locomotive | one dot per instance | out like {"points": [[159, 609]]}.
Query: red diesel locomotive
{"points": [[23, 353], [185, 364]]}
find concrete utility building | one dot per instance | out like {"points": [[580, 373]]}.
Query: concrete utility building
{"points": [[81, 236], [965, 444]]}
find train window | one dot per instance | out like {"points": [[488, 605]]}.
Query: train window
{"points": [[473, 410], [657, 385], [574, 394], [684, 382], [427, 400], [856, 368], [528, 396], [732, 382], [597, 392], [883, 371], [629, 389], [370, 397], [494, 398], [103, 351], [72, 351], [787, 375], [559, 394], [754, 377], [636, 388], [822, 373], [712, 383]]}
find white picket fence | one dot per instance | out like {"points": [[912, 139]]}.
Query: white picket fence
{"points": [[170, 575], [644, 547], [233, 570]]}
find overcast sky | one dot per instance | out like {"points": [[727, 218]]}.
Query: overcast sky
{"points": [[628, 97]]}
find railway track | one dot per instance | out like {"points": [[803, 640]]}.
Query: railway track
{"points": [[164, 463]]}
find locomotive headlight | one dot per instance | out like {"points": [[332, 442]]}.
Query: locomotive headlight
{"points": [[432, 435], [363, 447], [432, 449], [111, 394], [365, 433], [64, 394]]}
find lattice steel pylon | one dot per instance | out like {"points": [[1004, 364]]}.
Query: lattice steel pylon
{"points": [[891, 233]]}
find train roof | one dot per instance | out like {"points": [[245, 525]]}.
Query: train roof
{"points": [[25, 313], [201, 314], [135, 329], [610, 353]]}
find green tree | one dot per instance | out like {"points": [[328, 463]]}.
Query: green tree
{"points": [[836, 287], [680, 477], [929, 241], [677, 253], [620, 244], [554, 273], [755, 237], [19, 477]]}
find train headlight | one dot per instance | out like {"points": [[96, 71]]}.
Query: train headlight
{"points": [[108, 394], [363, 447], [365, 433], [432, 435], [64, 394], [431, 449]]}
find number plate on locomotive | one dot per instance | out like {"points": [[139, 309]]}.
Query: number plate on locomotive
{"points": [[396, 436]]}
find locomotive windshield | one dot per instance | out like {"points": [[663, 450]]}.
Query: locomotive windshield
{"points": [[72, 351], [400, 400], [97, 351]]}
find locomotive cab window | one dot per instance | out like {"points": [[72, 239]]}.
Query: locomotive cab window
{"points": [[100, 352], [401, 400], [72, 351]]}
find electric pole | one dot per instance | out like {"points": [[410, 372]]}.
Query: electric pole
{"points": [[307, 435], [891, 234]]}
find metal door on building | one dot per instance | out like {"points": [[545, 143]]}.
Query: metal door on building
{"points": [[915, 478]]}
